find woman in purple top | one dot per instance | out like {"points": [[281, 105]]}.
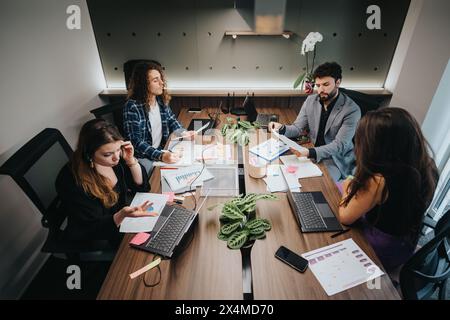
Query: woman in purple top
{"points": [[393, 185]]}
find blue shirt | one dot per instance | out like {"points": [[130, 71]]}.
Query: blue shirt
{"points": [[137, 128]]}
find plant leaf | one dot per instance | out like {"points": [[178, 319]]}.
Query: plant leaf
{"points": [[232, 217], [224, 129], [257, 236], [253, 224], [222, 236], [231, 211], [243, 139], [230, 228], [225, 219], [299, 80], [257, 230], [250, 197], [238, 239], [245, 124], [266, 224], [266, 196], [256, 124], [249, 207]]}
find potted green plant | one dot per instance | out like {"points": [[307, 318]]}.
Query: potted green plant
{"points": [[239, 224], [306, 78], [236, 131]]}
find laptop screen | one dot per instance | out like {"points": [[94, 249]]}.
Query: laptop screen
{"points": [[249, 107]]}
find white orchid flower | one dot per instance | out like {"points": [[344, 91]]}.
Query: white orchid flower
{"points": [[316, 36], [310, 41]]}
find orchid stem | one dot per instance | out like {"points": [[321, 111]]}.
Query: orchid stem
{"points": [[314, 57]]}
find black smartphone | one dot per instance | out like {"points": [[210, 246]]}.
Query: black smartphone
{"points": [[291, 258]]}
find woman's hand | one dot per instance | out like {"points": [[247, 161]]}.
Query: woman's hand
{"points": [[188, 135], [170, 157], [134, 212], [139, 211], [345, 184], [128, 153]]}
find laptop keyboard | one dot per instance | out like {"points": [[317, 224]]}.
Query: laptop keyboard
{"points": [[165, 240], [306, 210]]}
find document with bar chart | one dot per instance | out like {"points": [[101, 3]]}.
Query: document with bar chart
{"points": [[182, 178], [341, 266]]}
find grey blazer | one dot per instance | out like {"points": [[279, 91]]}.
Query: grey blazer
{"points": [[339, 130]]}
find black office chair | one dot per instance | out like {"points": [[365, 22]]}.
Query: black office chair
{"points": [[34, 167], [113, 113], [365, 101], [429, 268]]}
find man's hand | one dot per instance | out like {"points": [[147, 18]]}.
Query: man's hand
{"points": [[300, 154], [275, 126]]}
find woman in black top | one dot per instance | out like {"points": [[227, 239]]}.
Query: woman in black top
{"points": [[393, 186], [93, 187]]}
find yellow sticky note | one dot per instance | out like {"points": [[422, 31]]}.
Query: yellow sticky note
{"points": [[145, 269]]}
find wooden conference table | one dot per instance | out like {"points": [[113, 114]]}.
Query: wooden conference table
{"points": [[207, 269]]}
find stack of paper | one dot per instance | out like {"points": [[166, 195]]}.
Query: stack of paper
{"points": [[144, 224], [341, 266], [213, 153], [192, 154], [305, 168], [288, 142], [275, 181], [279, 180], [186, 178], [291, 179]]}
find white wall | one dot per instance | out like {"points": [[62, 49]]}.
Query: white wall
{"points": [[436, 126], [50, 77], [421, 56]]}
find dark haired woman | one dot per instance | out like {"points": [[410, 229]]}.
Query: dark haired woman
{"points": [[147, 119], [93, 186], [393, 185]]}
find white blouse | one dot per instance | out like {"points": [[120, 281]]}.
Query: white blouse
{"points": [[155, 122]]}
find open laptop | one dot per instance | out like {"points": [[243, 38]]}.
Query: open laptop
{"points": [[252, 115], [173, 227], [312, 212], [196, 123]]}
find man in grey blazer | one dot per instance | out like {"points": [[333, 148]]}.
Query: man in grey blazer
{"points": [[331, 118]]}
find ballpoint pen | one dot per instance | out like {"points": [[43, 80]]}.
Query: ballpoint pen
{"points": [[339, 233]]}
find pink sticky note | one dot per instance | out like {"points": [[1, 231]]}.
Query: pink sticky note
{"points": [[140, 238], [292, 169], [171, 196]]}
